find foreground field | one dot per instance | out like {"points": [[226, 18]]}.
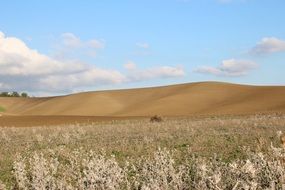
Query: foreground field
{"points": [[179, 153]]}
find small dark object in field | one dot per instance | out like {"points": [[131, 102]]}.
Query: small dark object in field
{"points": [[155, 119]]}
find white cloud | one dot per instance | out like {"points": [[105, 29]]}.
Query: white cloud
{"points": [[269, 45], [229, 68], [143, 45], [71, 46], [97, 44], [143, 49], [136, 74], [25, 69], [70, 40], [87, 78], [130, 65], [17, 59], [22, 68]]}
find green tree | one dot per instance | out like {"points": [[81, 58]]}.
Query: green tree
{"points": [[24, 95], [4, 94], [15, 94]]}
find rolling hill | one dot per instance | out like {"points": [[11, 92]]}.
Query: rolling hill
{"points": [[176, 100]]}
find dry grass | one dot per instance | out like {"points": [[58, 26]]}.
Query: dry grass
{"points": [[178, 153]]}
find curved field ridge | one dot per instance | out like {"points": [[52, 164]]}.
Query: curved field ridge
{"points": [[176, 100]]}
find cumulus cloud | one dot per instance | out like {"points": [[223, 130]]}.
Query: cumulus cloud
{"points": [[269, 45], [229, 68], [22, 68], [136, 74], [25, 69], [88, 78]]}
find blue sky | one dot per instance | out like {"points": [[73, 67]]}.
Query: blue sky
{"points": [[58, 47]]}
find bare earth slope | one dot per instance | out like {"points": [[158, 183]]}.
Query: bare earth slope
{"points": [[177, 100]]}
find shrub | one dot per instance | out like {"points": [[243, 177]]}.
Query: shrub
{"points": [[156, 119]]}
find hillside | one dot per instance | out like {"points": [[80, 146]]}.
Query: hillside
{"points": [[176, 100]]}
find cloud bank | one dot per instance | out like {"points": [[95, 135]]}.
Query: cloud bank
{"points": [[25, 69]]}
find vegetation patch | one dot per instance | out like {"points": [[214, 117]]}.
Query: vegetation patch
{"points": [[14, 94], [2, 109], [156, 118], [178, 153]]}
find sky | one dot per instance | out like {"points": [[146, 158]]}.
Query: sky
{"points": [[58, 47]]}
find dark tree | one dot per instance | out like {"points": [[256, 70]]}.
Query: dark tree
{"points": [[4, 94], [15, 94], [24, 95]]}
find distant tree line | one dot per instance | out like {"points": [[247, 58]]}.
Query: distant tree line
{"points": [[14, 94]]}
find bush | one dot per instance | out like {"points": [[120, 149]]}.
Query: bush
{"points": [[156, 119]]}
